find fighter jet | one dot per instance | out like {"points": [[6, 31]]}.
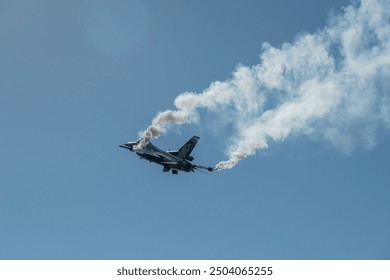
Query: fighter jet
{"points": [[174, 160]]}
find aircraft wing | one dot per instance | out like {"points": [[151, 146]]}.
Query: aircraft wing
{"points": [[187, 148]]}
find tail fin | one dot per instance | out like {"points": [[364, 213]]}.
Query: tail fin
{"points": [[187, 148]]}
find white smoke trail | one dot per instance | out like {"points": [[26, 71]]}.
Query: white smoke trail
{"points": [[334, 83]]}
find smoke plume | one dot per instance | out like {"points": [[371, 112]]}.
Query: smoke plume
{"points": [[332, 84]]}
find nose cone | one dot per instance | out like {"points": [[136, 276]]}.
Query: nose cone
{"points": [[127, 145]]}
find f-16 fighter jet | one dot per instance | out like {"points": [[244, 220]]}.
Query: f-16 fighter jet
{"points": [[174, 160]]}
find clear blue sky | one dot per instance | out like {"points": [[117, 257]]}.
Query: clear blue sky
{"points": [[78, 78]]}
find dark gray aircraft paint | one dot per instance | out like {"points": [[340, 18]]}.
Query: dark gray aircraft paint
{"points": [[175, 160]]}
